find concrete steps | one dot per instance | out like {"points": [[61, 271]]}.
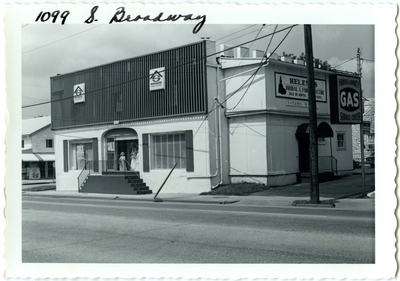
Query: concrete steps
{"points": [[116, 183]]}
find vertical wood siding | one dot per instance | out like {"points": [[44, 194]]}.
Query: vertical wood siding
{"points": [[120, 90]]}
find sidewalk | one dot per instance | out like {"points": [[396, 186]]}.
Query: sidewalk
{"points": [[345, 190], [41, 181]]}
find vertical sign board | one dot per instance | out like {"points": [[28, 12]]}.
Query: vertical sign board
{"points": [[79, 93], [157, 79], [346, 100]]}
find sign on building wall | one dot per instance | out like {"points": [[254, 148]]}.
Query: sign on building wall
{"points": [[157, 79], [79, 93], [296, 87], [345, 98]]}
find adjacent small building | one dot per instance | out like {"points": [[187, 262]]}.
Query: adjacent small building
{"points": [[37, 149], [369, 131], [210, 116]]}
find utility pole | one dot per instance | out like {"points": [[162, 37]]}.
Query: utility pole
{"points": [[362, 120], [312, 111]]}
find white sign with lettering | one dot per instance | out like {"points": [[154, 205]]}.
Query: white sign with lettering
{"points": [[296, 87], [79, 93], [157, 79]]}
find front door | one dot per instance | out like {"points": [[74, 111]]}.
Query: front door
{"points": [[304, 154], [120, 141]]}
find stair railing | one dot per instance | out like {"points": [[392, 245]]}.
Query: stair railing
{"points": [[334, 164], [83, 174], [135, 187]]}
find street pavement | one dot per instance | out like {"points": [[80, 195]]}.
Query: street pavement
{"points": [[349, 193]]}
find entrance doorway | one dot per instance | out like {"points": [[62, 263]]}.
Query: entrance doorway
{"points": [[121, 142], [324, 130], [304, 154]]}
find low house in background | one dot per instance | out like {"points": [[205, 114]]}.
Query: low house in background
{"points": [[37, 148], [369, 132]]}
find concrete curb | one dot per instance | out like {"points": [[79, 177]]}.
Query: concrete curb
{"points": [[116, 197], [315, 205]]}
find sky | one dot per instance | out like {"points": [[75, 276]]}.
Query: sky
{"points": [[48, 50]]}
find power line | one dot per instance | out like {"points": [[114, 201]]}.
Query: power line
{"points": [[255, 72], [35, 86], [236, 32], [254, 76], [61, 39], [146, 76], [261, 64], [344, 62]]}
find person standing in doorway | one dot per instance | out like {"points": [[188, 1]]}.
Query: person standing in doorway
{"points": [[122, 162], [135, 159]]}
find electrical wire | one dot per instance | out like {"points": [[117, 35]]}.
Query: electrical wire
{"points": [[171, 68], [258, 67], [344, 62], [61, 39], [254, 76], [234, 72]]}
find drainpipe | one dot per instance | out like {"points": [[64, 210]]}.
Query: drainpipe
{"points": [[216, 161], [218, 138]]}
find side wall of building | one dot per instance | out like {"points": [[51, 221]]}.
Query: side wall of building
{"points": [[264, 119], [39, 141]]}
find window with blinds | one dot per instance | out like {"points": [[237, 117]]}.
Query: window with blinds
{"points": [[168, 149]]}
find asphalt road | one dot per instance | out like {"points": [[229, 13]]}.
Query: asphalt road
{"points": [[62, 230]]}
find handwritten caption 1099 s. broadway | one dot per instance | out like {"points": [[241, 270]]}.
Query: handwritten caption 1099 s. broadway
{"points": [[121, 16]]}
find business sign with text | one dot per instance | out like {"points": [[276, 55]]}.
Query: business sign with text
{"points": [[157, 79], [296, 87], [346, 99], [79, 93]]}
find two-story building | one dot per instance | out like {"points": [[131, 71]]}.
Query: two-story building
{"points": [[37, 148], [213, 117]]}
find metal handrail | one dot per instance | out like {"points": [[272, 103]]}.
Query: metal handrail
{"points": [[85, 167], [328, 163], [334, 170], [127, 175]]}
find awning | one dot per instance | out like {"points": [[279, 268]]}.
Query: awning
{"points": [[29, 157], [324, 130], [46, 157], [34, 157]]}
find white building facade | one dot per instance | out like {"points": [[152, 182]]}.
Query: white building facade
{"points": [[195, 116]]}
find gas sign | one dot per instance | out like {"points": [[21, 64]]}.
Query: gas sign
{"points": [[346, 100]]}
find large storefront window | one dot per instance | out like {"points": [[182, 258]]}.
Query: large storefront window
{"points": [[168, 149], [80, 153]]}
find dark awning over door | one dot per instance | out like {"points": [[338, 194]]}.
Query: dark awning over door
{"points": [[324, 130]]}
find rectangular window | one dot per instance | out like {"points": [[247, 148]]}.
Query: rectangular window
{"points": [[80, 153], [23, 143], [49, 143], [341, 141], [168, 149]]}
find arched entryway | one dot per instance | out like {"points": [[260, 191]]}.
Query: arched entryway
{"points": [[324, 130], [121, 142]]}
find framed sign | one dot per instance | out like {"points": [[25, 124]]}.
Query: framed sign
{"points": [[79, 93], [157, 79], [346, 99], [296, 87]]}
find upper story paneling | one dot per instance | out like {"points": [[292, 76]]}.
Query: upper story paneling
{"points": [[121, 91]]}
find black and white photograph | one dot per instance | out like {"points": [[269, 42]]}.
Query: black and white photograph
{"points": [[196, 141]]}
